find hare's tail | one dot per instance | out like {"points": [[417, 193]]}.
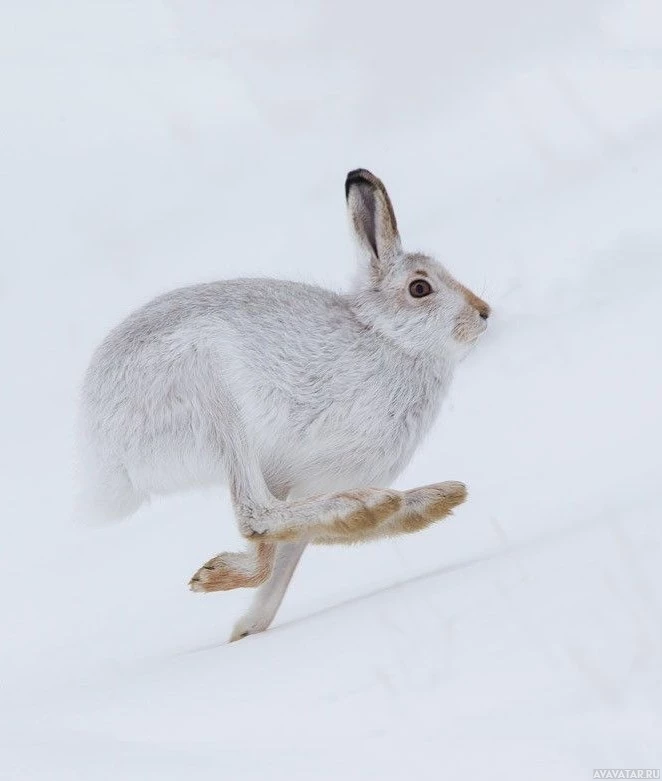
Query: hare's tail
{"points": [[107, 497]]}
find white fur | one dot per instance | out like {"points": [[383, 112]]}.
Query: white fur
{"points": [[277, 389]]}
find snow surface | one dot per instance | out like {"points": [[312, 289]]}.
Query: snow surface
{"points": [[149, 145]]}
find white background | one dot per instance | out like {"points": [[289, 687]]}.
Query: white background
{"points": [[147, 145]]}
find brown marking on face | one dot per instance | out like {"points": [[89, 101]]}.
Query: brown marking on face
{"points": [[482, 307], [474, 301], [228, 571], [477, 303], [464, 329]]}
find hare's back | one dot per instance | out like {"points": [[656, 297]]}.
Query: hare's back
{"points": [[163, 381], [258, 309], [253, 304], [179, 337]]}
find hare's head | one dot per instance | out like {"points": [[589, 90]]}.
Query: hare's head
{"points": [[408, 296]]}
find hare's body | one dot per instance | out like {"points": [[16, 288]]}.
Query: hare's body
{"points": [[206, 377], [324, 402], [306, 403]]}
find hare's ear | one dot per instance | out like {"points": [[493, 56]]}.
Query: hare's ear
{"points": [[373, 221]]}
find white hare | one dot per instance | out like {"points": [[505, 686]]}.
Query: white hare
{"points": [[306, 403]]}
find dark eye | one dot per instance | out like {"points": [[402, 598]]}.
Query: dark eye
{"points": [[419, 288]]}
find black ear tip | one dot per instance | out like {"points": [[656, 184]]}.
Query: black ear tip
{"points": [[357, 176]]}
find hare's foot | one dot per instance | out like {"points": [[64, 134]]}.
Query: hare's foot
{"points": [[267, 597], [235, 570], [349, 513], [420, 508], [426, 505]]}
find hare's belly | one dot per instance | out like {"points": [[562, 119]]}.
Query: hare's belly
{"points": [[336, 460]]}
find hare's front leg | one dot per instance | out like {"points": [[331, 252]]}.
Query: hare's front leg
{"points": [[269, 596]]}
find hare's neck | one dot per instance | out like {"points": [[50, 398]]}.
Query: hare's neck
{"points": [[421, 382], [431, 371], [412, 387], [413, 394]]}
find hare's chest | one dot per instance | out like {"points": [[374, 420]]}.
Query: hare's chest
{"points": [[364, 437]]}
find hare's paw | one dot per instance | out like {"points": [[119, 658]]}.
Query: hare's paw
{"points": [[218, 574], [245, 628], [430, 503], [444, 497], [227, 571]]}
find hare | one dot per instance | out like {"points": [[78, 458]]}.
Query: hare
{"points": [[306, 403]]}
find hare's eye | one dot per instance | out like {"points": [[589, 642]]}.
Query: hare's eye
{"points": [[419, 288]]}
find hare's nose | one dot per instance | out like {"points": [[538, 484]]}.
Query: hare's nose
{"points": [[484, 313]]}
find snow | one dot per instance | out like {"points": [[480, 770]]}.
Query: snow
{"points": [[150, 145]]}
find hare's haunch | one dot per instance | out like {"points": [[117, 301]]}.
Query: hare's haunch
{"points": [[306, 403]]}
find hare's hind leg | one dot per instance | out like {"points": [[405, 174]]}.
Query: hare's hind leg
{"points": [[420, 508], [347, 513], [269, 596], [262, 514], [227, 571]]}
